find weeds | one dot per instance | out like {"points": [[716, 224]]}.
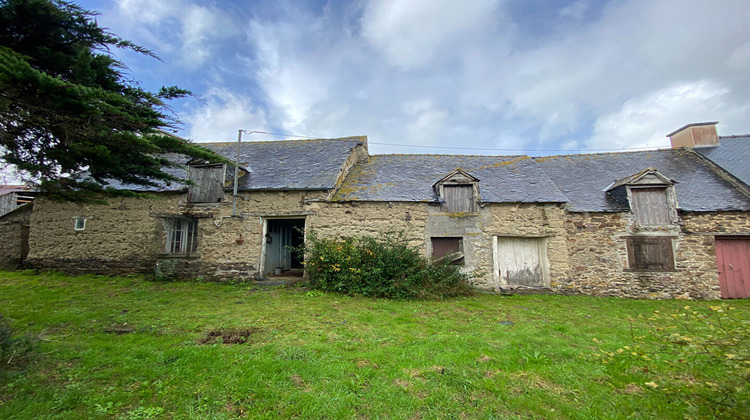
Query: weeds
{"points": [[16, 350]]}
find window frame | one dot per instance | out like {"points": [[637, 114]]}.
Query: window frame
{"points": [[177, 242], [79, 227], [460, 249], [666, 243]]}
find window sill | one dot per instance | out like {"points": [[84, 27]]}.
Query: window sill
{"points": [[651, 270], [192, 256]]}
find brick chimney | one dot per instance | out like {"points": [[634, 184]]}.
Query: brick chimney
{"points": [[695, 135]]}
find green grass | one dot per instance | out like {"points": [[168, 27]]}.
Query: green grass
{"points": [[315, 355]]}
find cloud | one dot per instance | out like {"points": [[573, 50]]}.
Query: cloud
{"points": [[414, 33], [641, 122], [493, 74], [222, 115], [198, 30]]}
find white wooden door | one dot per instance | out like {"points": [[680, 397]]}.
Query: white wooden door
{"points": [[521, 261]]}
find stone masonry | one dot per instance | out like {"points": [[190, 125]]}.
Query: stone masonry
{"points": [[599, 259], [14, 228]]}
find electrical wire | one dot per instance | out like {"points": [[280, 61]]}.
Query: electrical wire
{"points": [[474, 148]]}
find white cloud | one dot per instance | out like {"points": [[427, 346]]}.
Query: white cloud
{"points": [[641, 122], [222, 115], [425, 123], [419, 32], [473, 74], [574, 10], [200, 28]]}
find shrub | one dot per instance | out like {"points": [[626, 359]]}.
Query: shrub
{"points": [[15, 350], [379, 267]]}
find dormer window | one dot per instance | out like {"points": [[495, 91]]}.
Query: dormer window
{"points": [[208, 183], [458, 198], [650, 206], [650, 197], [458, 192]]}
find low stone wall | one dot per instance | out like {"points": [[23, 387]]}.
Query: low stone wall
{"points": [[599, 257], [14, 237]]}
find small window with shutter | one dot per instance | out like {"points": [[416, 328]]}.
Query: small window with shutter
{"points": [[650, 253], [458, 198], [207, 183], [650, 206], [450, 248]]}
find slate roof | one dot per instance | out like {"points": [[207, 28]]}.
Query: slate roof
{"points": [[732, 154], [502, 179], [584, 179], [274, 165]]}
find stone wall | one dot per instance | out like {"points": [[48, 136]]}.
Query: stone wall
{"points": [[585, 252], [127, 234], [420, 222], [599, 258], [14, 237], [119, 237]]}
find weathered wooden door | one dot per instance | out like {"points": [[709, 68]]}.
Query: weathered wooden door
{"points": [[521, 261], [733, 262]]}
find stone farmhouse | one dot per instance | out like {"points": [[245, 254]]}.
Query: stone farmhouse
{"points": [[672, 223]]}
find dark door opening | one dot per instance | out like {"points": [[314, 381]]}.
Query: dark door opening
{"points": [[283, 237]]}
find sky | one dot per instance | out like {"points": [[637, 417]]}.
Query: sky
{"points": [[490, 77]]}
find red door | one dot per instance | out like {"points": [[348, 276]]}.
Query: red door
{"points": [[733, 261]]}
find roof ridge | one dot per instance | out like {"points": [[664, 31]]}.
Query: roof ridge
{"points": [[543, 158], [350, 138], [446, 155]]}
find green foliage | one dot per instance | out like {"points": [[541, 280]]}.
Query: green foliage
{"points": [[67, 108], [711, 344], [380, 267], [16, 350]]}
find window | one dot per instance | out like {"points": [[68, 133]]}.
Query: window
{"points": [[458, 198], [650, 253], [181, 234], [451, 248], [79, 223], [650, 206], [208, 183]]}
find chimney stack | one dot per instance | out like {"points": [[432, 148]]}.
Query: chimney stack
{"points": [[695, 135]]}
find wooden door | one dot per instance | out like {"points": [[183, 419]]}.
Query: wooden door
{"points": [[733, 262], [521, 261]]}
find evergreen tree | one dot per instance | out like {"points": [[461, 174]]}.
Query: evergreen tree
{"points": [[67, 107]]}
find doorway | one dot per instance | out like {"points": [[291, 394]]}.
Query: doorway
{"points": [[282, 237]]}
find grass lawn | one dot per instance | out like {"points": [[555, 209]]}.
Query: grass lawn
{"points": [[312, 355]]}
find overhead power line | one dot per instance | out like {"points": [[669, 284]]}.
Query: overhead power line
{"points": [[472, 148]]}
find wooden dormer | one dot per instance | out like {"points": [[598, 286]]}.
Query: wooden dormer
{"points": [[458, 192]]}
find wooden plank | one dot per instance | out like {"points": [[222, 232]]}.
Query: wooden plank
{"points": [[520, 261], [208, 182], [733, 263], [650, 206], [458, 198]]}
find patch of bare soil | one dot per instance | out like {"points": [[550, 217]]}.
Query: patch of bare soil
{"points": [[228, 336]]}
